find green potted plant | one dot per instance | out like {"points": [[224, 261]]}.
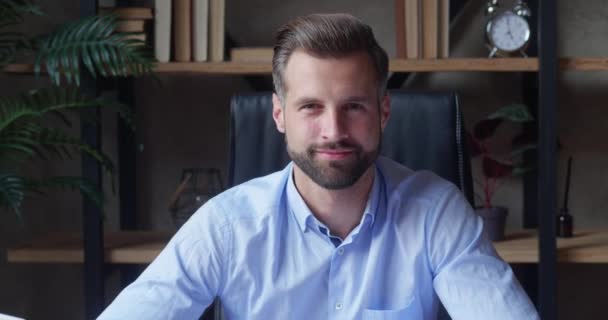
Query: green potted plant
{"points": [[26, 133], [495, 167]]}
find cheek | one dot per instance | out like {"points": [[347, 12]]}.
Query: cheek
{"points": [[367, 133], [300, 131]]}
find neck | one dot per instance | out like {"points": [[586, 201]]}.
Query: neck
{"points": [[340, 210]]}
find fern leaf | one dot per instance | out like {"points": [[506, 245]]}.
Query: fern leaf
{"points": [[92, 41], [86, 187], [53, 139], [12, 192]]}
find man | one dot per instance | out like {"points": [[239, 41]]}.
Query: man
{"points": [[339, 233]]}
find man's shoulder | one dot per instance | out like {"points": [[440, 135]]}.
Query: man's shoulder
{"points": [[255, 197], [402, 181]]}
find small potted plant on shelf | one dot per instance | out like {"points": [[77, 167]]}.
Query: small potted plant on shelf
{"points": [[495, 167], [27, 128]]}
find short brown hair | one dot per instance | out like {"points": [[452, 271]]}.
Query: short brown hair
{"points": [[327, 35]]}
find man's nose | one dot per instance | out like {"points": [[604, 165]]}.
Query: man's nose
{"points": [[334, 125]]}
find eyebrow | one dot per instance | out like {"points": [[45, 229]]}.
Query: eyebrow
{"points": [[308, 100], [305, 100], [359, 99]]}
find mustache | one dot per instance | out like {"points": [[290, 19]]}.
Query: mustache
{"points": [[334, 145]]}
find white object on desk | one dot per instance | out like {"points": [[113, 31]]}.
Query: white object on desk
{"points": [[7, 317]]}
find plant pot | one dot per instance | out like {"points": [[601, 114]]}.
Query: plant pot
{"points": [[494, 221]]}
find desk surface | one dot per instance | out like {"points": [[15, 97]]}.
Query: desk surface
{"points": [[141, 247]]}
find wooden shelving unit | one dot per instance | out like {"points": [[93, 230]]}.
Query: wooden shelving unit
{"points": [[141, 247]]}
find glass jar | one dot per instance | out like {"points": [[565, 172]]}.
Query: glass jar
{"points": [[197, 185]]}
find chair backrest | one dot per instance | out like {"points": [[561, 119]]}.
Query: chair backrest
{"points": [[425, 131]]}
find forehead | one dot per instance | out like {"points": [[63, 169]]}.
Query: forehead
{"points": [[308, 74]]}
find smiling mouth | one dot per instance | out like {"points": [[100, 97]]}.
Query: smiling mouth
{"points": [[334, 154]]}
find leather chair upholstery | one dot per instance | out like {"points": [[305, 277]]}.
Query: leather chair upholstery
{"points": [[425, 131]]}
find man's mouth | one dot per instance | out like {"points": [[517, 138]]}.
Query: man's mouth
{"points": [[334, 154]]}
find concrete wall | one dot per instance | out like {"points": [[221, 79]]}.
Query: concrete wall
{"points": [[183, 123]]}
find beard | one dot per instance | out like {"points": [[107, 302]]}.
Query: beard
{"points": [[334, 174]]}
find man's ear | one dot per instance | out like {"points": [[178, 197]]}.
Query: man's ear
{"points": [[385, 110], [277, 113]]}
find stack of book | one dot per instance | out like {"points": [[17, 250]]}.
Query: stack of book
{"points": [[130, 20], [189, 30], [422, 28]]}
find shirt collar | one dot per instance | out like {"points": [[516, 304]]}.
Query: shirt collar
{"points": [[304, 216]]}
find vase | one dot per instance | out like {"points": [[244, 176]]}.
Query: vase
{"points": [[197, 186], [494, 221]]}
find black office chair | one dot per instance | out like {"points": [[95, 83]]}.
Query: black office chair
{"points": [[425, 131]]}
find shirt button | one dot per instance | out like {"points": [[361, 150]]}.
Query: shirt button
{"points": [[338, 306], [341, 251]]}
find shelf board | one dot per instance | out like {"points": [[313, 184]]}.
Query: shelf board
{"points": [[464, 64], [136, 247], [25, 68], [584, 247], [396, 65], [584, 63], [238, 68], [141, 247]]}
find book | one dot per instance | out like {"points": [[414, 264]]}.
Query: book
{"points": [[200, 30], [126, 13], [412, 29], [162, 30], [216, 29], [130, 26], [137, 36], [400, 29], [444, 29], [252, 54], [430, 25], [182, 24]]}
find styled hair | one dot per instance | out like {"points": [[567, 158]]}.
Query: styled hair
{"points": [[327, 35]]}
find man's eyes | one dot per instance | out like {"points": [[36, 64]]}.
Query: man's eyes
{"points": [[348, 106], [309, 106], [354, 106]]}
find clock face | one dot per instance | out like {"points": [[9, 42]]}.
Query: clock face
{"points": [[508, 32]]}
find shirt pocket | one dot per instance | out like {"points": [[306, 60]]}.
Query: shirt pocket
{"points": [[413, 311]]}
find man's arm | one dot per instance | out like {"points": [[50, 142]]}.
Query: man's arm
{"points": [[471, 280], [185, 278]]}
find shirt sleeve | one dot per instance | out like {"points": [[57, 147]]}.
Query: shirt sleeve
{"points": [[471, 280], [186, 276]]}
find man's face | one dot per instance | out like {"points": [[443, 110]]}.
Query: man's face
{"points": [[332, 116]]}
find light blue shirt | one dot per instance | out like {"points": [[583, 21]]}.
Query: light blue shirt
{"points": [[259, 249]]}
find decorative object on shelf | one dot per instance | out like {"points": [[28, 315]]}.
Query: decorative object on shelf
{"points": [[196, 187], [494, 221], [494, 168], [565, 222], [29, 129], [507, 31]]}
